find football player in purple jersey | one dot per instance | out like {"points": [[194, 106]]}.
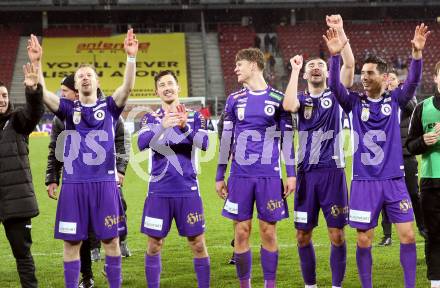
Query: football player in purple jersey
{"points": [[321, 178], [378, 178], [89, 197], [255, 124]]}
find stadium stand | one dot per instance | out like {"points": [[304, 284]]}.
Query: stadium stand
{"points": [[9, 47], [232, 38], [78, 31], [380, 38]]}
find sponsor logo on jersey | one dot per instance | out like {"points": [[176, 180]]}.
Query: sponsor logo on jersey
{"points": [[405, 205], [276, 96], [193, 218], [385, 109], [112, 220], [153, 223], [336, 210], [99, 114], [326, 103], [327, 93], [272, 205], [67, 227], [231, 207], [360, 216], [269, 110], [276, 104], [300, 217]]}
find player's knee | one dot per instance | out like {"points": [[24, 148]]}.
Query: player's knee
{"points": [[337, 237], [242, 233], [111, 245], [407, 236], [154, 246], [71, 250], [198, 246], [363, 240], [303, 237]]}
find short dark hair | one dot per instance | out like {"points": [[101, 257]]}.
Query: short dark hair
{"points": [[251, 55], [163, 73], [437, 67], [381, 63], [2, 84]]}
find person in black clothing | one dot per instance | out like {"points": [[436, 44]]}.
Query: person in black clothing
{"points": [[17, 197], [410, 167], [423, 138], [90, 248]]}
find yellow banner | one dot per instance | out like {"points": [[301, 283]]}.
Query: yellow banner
{"points": [[157, 52]]}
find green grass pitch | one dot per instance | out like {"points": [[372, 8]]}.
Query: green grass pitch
{"points": [[176, 256]]}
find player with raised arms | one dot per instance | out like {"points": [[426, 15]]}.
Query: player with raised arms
{"points": [[89, 197], [321, 177], [378, 178]]}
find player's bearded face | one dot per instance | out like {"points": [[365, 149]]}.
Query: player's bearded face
{"points": [[393, 81], [4, 99], [316, 72], [167, 89], [371, 78], [243, 70], [86, 81]]}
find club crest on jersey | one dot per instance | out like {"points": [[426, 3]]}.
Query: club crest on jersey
{"points": [[76, 117], [326, 103], [99, 114], [269, 110], [308, 112], [386, 109], [240, 113], [365, 115]]}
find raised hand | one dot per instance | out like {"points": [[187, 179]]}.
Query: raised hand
{"points": [[334, 43], [30, 72], [131, 43], [181, 110], [35, 52], [334, 21], [420, 35], [296, 62]]}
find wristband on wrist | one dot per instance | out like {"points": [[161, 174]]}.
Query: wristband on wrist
{"points": [[131, 59]]}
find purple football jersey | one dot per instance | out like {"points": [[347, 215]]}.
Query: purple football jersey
{"points": [[172, 157], [255, 126], [375, 124], [89, 140], [320, 120]]}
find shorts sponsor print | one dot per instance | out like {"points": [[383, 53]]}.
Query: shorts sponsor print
{"points": [[94, 206], [368, 197], [324, 189], [266, 192], [159, 213]]}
